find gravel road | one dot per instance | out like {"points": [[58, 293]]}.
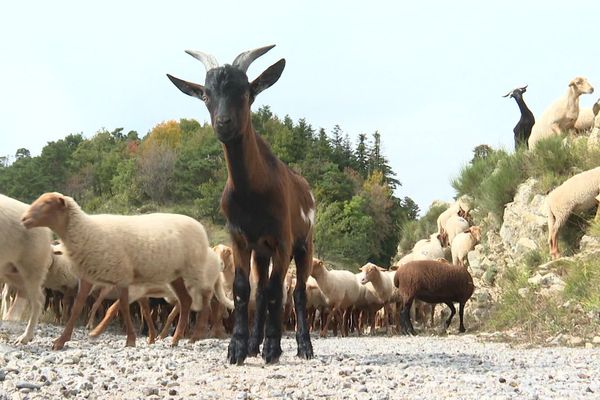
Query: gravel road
{"points": [[380, 367]]}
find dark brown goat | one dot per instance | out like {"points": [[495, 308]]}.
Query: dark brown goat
{"points": [[269, 208], [433, 282]]}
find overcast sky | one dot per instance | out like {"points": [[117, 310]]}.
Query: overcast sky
{"points": [[428, 76]]}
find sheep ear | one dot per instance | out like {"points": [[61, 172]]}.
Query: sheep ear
{"points": [[57, 252], [61, 201], [381, 269]]}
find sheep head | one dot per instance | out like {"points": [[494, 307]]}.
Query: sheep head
{"points": [[370, 271], [317, 267], [476, 233], [227, 93], [581, 86], [45, 211]]}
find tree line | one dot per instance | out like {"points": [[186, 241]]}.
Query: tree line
{"points": [[179, 166]]}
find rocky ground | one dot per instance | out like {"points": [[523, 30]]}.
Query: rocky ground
{"points": [[380, 367]]}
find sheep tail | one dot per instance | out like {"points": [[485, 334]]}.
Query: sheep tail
{"points": [[220, 294]]}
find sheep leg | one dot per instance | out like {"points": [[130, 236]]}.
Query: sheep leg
{"points": [[109, 315], [36, 301], [84, 290], [145, 309], [260, 312], [104, 291], [303, 260], [452, 312], [217, 329], [124, 303], [461, 313], [174, 313], [185, 301], [238, 345], [201, 325]]}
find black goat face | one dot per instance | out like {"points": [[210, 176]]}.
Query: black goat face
{"points": [[227, 98]]}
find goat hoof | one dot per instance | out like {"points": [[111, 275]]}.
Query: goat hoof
{"points": [[305, 352], [253, 347], [462, 330], [272, 350], [130, 342], [237, 350], [23, 339]]}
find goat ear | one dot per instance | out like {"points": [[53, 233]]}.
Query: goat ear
{"points": [[189, 88], [267, 78]]}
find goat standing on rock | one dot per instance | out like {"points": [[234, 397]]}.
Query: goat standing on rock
{"points": [[269, 208], [522, 130]]}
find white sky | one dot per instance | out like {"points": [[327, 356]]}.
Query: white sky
{"points": [[429, 75]]}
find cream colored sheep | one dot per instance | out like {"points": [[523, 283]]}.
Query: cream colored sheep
{"points": [[463, 243], [341, 289], [367, 305], [61, 277], [25, 256], [594, 138], [383, 283], [461, 207], [585, 120], [560, 117], [316, 302], [578, 193], [117, 250], [454, 226], [429, 249]]}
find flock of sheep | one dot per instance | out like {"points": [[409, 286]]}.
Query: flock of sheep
{"points": [[165, 263], [581, 192], [147, 253]]}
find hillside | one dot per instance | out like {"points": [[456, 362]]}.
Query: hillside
{"points": [[520, 291]]}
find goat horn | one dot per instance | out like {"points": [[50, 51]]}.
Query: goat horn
{"points": [[524, 87], [208, 60], [246, 58], [508, 94]]}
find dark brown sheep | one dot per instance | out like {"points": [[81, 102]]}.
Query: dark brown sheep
{"points": [[433, 282]]}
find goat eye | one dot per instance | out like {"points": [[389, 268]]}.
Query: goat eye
{"points": [[205, 98]]}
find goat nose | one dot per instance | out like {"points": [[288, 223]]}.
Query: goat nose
{"points": [[223, 120]]}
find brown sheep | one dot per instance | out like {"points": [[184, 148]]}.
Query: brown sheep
{"points": [[433, 282]]}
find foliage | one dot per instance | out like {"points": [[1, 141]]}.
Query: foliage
{"points": [[179, 166]]}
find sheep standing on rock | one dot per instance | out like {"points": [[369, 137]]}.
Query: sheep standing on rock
{"points": [[454, 226], [580, 192], [463, 243], [25, 256], [585, 120], [116, 250], [460, 207], [433, 282], [561, 115]]}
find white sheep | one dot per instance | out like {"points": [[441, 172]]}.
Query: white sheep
{"points": [[116, 250], [578, 193], [429, 249], [585, 120], [367, 305], [341, 289], [316, 302], [454, 226], [461, 207], [25, 256], [561, 115], [61, 277], [383, 283], [463, 243]]}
